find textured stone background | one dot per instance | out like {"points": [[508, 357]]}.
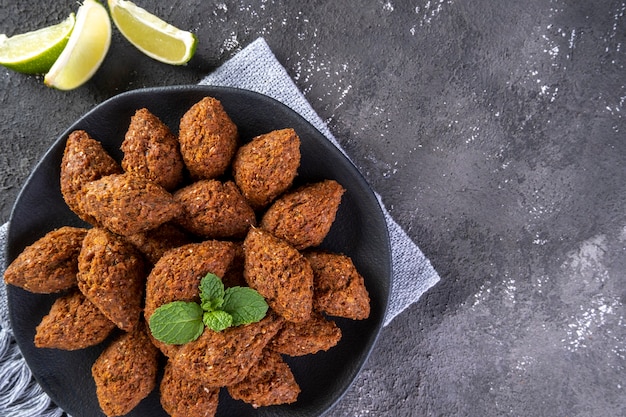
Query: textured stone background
{"points": [[494, 133]]}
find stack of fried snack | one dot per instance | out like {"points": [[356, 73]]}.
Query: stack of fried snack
{"points": [[175, 209]]}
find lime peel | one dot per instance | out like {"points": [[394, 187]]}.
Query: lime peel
{"points": [[35, 52], [152, 35], [85, 50]]}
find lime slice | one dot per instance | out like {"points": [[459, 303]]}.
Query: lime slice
{"points": [[151, 35], [85, 50], [35, 52]]}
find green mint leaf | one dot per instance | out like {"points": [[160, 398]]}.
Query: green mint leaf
{"points": [[212, 305], [211, 292], [217, 320], [245, 305], [177, 323]]}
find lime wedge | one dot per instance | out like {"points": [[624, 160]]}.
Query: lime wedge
{"points": [[151, 35], [85, 50], [35, 52]]}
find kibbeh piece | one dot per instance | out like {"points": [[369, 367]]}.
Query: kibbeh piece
{"points": [[177, 275], [184, 397], [126, 372], [84, 160], [111, 273], [304, 217], [269, 382], [208, 139], [312, 336], [218, 359], [266, 166], [129, 203], [50, 264], [280, 274], [151, 150], [214, 209], [339, 288], [73, 323]]}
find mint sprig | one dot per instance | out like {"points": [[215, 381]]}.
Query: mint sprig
{"points": [[180, 322]]}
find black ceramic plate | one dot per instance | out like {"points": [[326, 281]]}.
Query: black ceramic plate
{"points": [[359, 231]]}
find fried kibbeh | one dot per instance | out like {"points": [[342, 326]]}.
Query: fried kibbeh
{"points": [[73, 323], [219, 359], [266, 166], [84, 160], [111, 273], [184, 397], [280, 274], [154, 243], [339, 288], [177, 274], [50, 264], [152, 151], [125, 372], [269, 382], [208, 139], [129, 203], [214, 209], [312, 336], [304, 217]]}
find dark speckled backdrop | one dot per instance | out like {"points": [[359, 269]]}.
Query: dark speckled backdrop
{"points": [[493, 131]]}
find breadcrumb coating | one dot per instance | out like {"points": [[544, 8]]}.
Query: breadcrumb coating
{"points": [[125, 373], [152, 151], [84, 160], [314, 335], [73, 323], [185, 397], [214, 209], [339, 288], [111, 273], [219, 359], [304, 216], [208, 139], [269, 382], [50, 264], [266, 166], [280, 274], [128, 203]]}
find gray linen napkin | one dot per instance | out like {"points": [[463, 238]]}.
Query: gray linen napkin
{"points": [[254, 68]]}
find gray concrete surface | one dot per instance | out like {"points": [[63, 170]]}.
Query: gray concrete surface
{"points": [[494, 132]]}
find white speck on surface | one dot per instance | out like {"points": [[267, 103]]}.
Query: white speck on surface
{"points": [[523, 363], [591, 319], [221, 7], [596, 307], [431, 10], [230, 44], [483, 293]]}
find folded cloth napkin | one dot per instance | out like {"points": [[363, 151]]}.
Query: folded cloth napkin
{"points": [[254, 68]]}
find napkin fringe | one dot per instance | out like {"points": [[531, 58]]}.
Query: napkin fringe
{"points": [[20, 394]]}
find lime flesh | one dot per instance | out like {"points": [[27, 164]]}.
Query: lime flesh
{"points": [[35, 52], [151, 35], [86, 49]]}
